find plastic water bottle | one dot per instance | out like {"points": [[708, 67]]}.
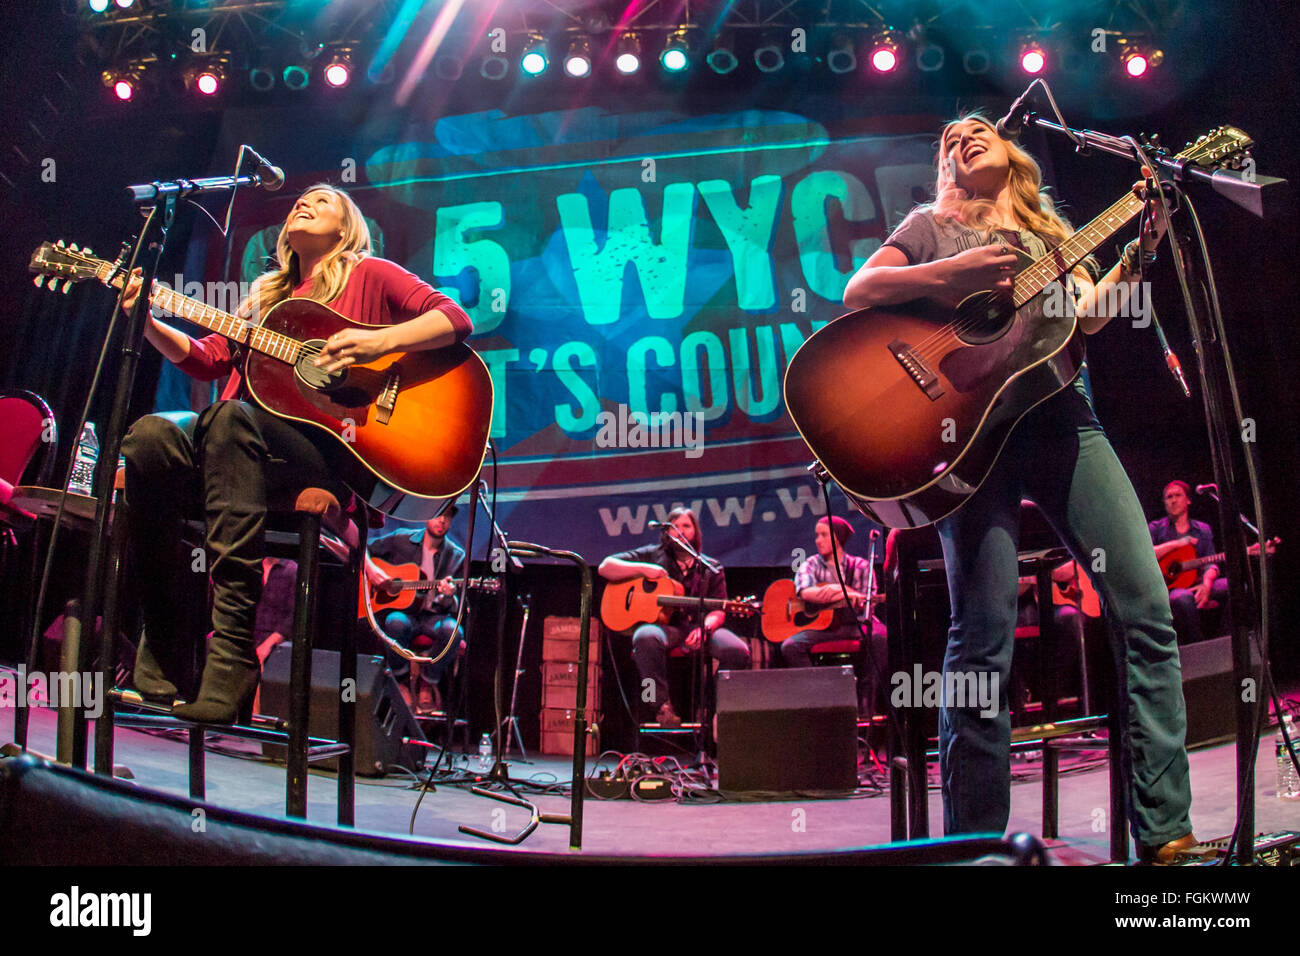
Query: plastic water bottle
{"points": [[83, 470], [484, 754], [1288, 782]]}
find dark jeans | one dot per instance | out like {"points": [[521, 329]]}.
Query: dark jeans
{"points": [[235, 459], [652, 642], [1059, 457], [1187, 616], [426, 633]]}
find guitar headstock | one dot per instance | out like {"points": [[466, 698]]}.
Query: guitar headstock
{"points": [[746, 606], [64, 265], [1224, 147]]}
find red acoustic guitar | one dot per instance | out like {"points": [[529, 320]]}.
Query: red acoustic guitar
{"points": [[400, 592], [908, 406], [1180, 566], [786, 614], [418, 420], [625, 604]]}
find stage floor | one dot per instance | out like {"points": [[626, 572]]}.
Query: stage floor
{"points": [[630, 827]]}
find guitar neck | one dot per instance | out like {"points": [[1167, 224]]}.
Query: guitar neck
{"points": [[255, 337], [1073, 250], [428, 585], [679, 601]]}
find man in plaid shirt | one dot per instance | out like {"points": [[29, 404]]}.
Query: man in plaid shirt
{"points": [[817, 583]]}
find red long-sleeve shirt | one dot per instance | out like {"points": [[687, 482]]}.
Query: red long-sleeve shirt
{"points": [[378, 292]]}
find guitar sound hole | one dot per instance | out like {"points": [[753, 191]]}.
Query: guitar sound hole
{"points": [[983, 317], [314, 377]]}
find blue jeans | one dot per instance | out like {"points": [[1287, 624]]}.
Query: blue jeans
{"points": [[426, 633], [1059, 457]]}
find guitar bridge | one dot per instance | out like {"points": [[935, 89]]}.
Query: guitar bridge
{"points": [[916, 367], [387, 399]]}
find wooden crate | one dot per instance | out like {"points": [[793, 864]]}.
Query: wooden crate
{"points": [[557, 731], [560, 685], [560, 639]]}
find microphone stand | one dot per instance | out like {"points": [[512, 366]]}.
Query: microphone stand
{"points": [[1215, 370], [153, 234], [702, 664]]}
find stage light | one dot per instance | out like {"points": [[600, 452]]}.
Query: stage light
{"points": [[337, 75], [884, 53], [261, 79], [929, 57], [494, 67], [296, 77], [1135, 63], [448, 67], [535, 58], [1032, 58], [125, 4], [577, 62], [628, 54], [124, 83], [206, 77], [768, 56], [98, 6], [976, 61], [841, 57], [721, 59], [675, 56]]}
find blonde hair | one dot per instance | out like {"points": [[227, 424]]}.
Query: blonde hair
{"points": [[1032, 204], [336, 267]]}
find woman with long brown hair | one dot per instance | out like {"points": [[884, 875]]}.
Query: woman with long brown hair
{"points": [[989, 198], [236, 455]]}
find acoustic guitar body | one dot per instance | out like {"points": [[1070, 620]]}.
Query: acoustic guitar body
{"points": [[909, 415], [434, 440]]}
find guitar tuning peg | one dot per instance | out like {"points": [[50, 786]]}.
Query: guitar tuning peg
{"points": [[88, 251], [74, 248], [67, 285], [59, 244], [40, 282]]}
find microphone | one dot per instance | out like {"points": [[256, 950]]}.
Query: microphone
{"points": [[1210, 488], [270, 177], [1009, 126], [656, 525]]}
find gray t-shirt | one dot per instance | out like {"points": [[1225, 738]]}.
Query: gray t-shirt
{"points": [[923, 238]]}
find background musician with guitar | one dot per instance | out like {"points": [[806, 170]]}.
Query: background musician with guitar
{"points": [[1173, 531], [989, 197], [676, 626], [817, 582], [430, 623], [239, 454]]}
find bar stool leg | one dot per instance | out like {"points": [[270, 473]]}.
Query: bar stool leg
{"points": [[300, 665], [347, 731], [198, 770]]}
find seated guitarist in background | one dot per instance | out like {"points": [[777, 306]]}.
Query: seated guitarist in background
{"points": [[241, 455], [652, 642], [817, 582], [1172, 532], [430, 624], [988, 198]]}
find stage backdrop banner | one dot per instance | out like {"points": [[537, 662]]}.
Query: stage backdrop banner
{"points": [[638, 282]]}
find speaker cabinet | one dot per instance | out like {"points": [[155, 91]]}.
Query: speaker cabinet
{"points": [[383, 718], [1210, 691], [787, 730]]}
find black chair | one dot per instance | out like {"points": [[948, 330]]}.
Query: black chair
{"points": [[322, 531]]}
